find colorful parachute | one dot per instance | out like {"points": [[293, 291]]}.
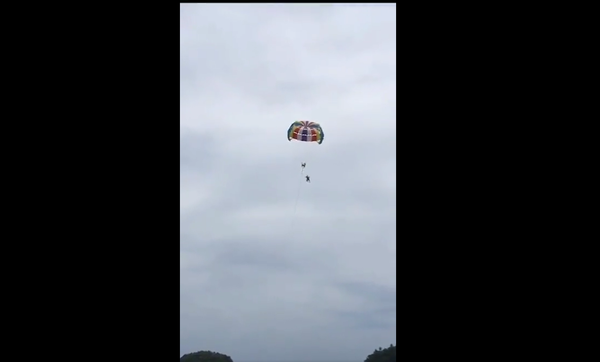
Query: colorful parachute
{"points": [[306, 131]]}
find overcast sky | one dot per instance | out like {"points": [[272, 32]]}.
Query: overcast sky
{"points": [[274, 268]]}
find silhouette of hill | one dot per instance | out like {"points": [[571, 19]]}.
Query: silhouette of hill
{"points": [[383, 355], [205, 356]]}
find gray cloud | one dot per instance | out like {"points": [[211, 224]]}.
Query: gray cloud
{"points": [[273, 268]]}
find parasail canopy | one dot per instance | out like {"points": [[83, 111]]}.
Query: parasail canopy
{"points": [[306, 131]]}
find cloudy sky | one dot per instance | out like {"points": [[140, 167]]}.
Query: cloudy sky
{"points": [[274, 268]]}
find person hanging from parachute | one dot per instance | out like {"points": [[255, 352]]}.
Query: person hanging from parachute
{"points": [[305, 131]]}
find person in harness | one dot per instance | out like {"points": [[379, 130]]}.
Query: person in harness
{"points": [[307, 178], [303, 164]]}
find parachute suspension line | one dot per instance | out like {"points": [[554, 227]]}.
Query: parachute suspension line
{"points": [[292, 219], [296, 202], [298, 194], [299, 184]]}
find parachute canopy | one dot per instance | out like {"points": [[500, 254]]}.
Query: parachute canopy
{"points": [[306, 131]]}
